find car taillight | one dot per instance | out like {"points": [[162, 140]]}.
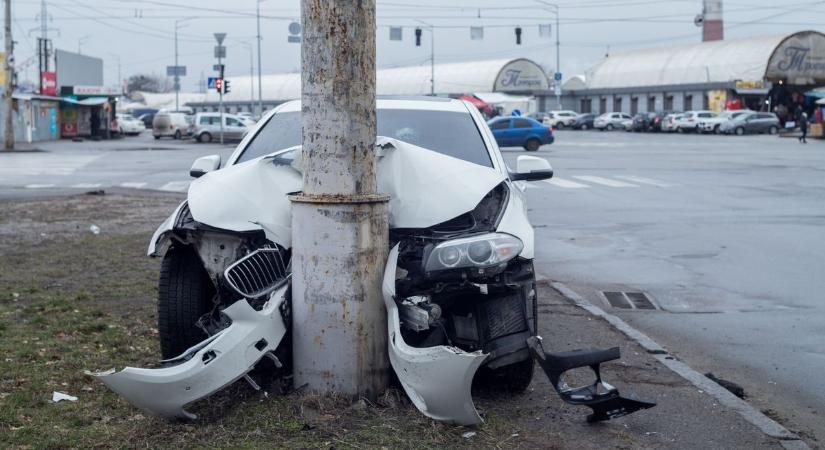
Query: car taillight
{"points": [[549, 130]]}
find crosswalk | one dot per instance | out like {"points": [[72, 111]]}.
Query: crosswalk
{"points": [[615, 181], [172, 186], [573, 182]]}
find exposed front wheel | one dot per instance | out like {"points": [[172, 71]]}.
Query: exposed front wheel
{"points": [[185, 294], [532, 145], [515, 377]]}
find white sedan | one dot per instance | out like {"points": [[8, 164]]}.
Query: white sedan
{"points": [[128, 124]]}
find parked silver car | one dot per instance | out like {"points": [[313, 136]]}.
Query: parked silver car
{"points": [[754, 122], [207, 126], [611, 121]]}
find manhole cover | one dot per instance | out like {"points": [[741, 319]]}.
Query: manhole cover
{"points": [[628, 300]]}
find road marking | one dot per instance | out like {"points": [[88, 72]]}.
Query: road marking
{"points": [[603, 181], [34, 164], [643, 180], [567, 184], [175, 186], [39, 186], [133, 185], [86, 185]]}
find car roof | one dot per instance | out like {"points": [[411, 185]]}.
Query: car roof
{"points": [[399, 102]]}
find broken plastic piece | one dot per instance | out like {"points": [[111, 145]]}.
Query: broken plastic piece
{"points": [[436, 379], [58, 396], [208, 366], [600, 396]]}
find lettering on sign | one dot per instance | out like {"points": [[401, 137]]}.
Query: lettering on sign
{"points": [[801, 57], [521, 75]]}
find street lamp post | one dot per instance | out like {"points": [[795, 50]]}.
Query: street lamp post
{"points": [[248, 46], [177, 74], [219, 53], [557, 85], [258, 38], [432, 54]]}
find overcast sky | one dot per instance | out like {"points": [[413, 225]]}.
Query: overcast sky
{"points": [[141, 32]]}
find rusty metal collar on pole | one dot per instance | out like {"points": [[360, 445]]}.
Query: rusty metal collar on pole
{"points": [[339, 198]]}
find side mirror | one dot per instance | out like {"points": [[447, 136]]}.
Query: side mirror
{"points": [[204, 165], [532, 168]]}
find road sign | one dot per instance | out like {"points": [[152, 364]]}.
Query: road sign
{"points": [[293, 39], [211, 81], [217, 67], [175, 71], [557, 76], [294, 28], [220, 51], [219, 37]]}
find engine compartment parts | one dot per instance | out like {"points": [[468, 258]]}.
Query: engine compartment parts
{"points": [[600, 396], [207, 367]]}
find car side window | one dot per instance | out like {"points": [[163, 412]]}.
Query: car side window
{"points": [[206, 120], [521, 123], [764, 116], [232, 122], [500, 125]]}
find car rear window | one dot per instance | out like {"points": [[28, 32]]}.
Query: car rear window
{"points": [[521, 123], [450, 133]]}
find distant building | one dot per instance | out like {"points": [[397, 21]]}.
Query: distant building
{"points": [[758, 72]]}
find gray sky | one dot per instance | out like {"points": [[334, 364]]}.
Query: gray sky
{"points": [[141, 32]]}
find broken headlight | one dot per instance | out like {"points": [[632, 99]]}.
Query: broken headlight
{"points": [[481, 251]]}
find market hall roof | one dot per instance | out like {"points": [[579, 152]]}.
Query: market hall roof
{"points": [[798, 58]]}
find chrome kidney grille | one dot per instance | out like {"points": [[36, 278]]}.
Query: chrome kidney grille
{"points": [[257, 273]]}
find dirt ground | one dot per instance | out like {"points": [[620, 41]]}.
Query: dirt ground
{"points": [[72, 300]]}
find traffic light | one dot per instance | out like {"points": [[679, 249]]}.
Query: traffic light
{"points": [[518, 35], [219, 85], [418, 37], [226, 86]]}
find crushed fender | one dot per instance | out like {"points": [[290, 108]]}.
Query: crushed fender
{"points": [[600, 396]]}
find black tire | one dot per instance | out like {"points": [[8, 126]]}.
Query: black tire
{"points": [[585, 127], [185, 294], [739, 131], [205, 137], [559, 125], [157, 138], [773, 129], [716, 130], [177, 134], [514, 378], [532, 145], [609, 127]]}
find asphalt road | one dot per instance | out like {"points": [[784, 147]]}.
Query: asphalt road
{"points": [[726, 234]]}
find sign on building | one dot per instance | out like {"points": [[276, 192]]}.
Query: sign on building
{"points": [[521, 75], [799, 59]]}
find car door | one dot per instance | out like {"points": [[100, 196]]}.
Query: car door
{"points": [[521, 129], [500, 128], [235, 128]]}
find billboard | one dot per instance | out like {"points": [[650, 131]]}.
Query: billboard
{"points": [[74, 69], [48, 83], [521, 75]]}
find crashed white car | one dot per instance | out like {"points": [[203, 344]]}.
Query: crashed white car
{"points": [[459, 284]]}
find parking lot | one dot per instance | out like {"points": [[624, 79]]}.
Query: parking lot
{"points": [[723, 233]]}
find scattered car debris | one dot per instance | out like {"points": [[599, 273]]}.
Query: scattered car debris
{"points": [[94, 229], [468, 434], [734, 388], [60, 396]]}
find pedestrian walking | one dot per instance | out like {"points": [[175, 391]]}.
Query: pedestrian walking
{"points": [[803, 126]]}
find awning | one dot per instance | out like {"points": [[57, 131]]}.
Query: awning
{"points": [[816, 93], [92, 101]]}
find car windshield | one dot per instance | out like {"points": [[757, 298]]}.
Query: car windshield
{"points": [[450, 133]]}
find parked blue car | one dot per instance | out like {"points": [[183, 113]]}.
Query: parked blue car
{"points": [[519, 131]]}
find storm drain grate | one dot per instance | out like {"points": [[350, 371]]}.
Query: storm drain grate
{"points": [[628, 300]]}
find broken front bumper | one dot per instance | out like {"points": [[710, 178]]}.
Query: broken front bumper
{"points": [[207, 367], [437, 379]]}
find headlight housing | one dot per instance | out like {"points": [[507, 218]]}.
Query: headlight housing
{"points": [[482, 251]]}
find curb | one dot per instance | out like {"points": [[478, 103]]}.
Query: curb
{"points": [[753, 416]]}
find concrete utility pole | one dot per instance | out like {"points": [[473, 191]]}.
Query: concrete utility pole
{"points": [[432, 55], [339, 221], [8, 138], [556, 83]]}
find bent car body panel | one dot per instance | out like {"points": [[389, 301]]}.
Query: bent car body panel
{"points": [[514, 221], [253, 195], [157, 243], [437, 379], [217, 362]]}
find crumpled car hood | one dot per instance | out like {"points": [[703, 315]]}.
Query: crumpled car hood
{"points": [[425, 188]]}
